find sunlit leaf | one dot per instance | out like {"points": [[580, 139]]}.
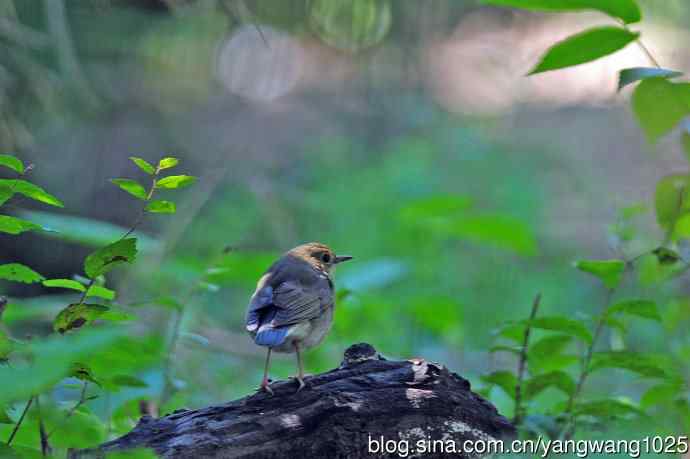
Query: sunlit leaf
{"points": [[625, 10], [671, 199], [31, 191], [641, 308], [648, 365], [660, 105], [77, 315], [13, 225], [167, 163], [558, 379], [161, 207], [19, 273], [175, 181], [143, 165], [106, 258], [64, 283], [585, 47], [101, 292], [632, 75], [12, 162], [131, 186], [609, 272], [503, 379]]}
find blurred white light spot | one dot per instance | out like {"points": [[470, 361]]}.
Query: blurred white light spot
{"points": [[261, 65]]}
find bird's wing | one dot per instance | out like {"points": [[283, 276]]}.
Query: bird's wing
{"points": [[296, 302], [262, 298]]}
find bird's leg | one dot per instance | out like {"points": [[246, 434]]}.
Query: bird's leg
{"points": [[264, 382], [300, 368]]}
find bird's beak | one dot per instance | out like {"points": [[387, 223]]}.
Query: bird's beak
{"points": [[342, 258]]}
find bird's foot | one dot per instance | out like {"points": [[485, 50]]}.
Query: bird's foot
{"points": [[300, 382], [265, 387]]}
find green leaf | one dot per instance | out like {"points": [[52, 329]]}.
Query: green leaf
{"points": [[631, 75], [143, 165], [101, 292], [651, 366], [5, 194], [19, 273], [6, 346], [436, 206], [161, 207], [175, 181], [500, 230], [503, 379], [609, 271], [83, 372], [666, 256], [685, 141], [31, 191], [12, 162], [664, 392], [167, 163], [132, 187], [103, 260], [562, 324], [641, 308], [584, 47], [5, 419], [670, 199], [127, 381], [660, 105], [77, 315], [606, 409], [558, 379], [65, 283], [625, 10], [13, 225], [546, 354]]}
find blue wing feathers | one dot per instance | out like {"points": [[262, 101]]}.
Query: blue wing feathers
{"points": [[271, 336]]}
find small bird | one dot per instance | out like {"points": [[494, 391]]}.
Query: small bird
{"points": [[292, 307]]}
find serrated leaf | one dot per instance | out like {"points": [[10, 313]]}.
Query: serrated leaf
{"points": [[660, 105], [503, 379], [161, 207], [12, 162], [103, 260], [642, 364], [631, 75], [175, 181], [143, 165], [609, 272], [641, 308], [607, 409], [167, 163], [31, 191], [562, 324], [558, 379], [127, 381], [101, 292], [670, 199], [584, 47], [626, 10], [65, 283], [19, 273], [132, 187], [77, 315], [13, 225]]}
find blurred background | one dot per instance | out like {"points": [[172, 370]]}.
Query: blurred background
{"points": [[403, 133]]}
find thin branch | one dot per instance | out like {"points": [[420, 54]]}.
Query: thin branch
{"points": [[523, 359], [650, 56], [19, 422], [45, 444]]}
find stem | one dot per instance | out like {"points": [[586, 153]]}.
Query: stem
{"points": [[45, 445], [167, 383], [21, 419], [648, 53], [523, 359], [570, 423]]}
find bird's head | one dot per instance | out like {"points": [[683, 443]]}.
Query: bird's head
{"points": [[319, 255]]}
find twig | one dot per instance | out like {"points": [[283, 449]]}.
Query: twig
{"points": [[19, 422], [45, 445], [586, 361], [523, 359]]}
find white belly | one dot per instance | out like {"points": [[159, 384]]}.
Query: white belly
{"points": [[307, 334]]}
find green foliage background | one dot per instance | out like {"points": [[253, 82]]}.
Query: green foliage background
{"points": [[122, 303]]}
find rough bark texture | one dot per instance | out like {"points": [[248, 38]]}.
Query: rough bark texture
{"points": [[337, 415]]}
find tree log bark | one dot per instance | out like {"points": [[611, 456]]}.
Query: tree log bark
{"points": [[348, 412]]}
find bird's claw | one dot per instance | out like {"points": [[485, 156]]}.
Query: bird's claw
{"points": [[265, 387], [301, 383]]}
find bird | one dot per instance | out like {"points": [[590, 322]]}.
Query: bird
{"points": [[291, 309]]}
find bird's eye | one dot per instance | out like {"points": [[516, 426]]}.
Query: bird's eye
{"points": [[326, 257]]}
